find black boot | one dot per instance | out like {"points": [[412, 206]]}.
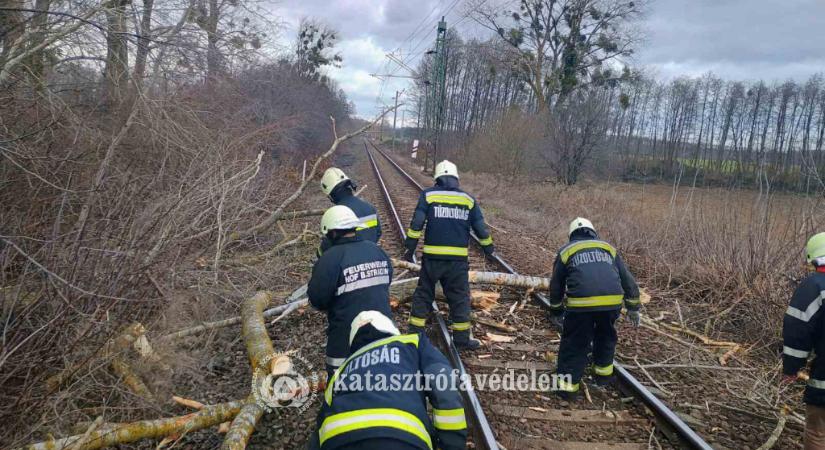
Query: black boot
{"points": [[603, 381], [464, 340], [567, 396]]}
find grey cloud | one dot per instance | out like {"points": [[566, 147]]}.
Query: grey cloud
{"points": [[736, 39], [748, 35]]}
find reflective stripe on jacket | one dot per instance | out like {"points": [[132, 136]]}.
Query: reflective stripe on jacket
{"points": [[375, 394], [370, 229], [350, 277], [803, 335], [593, 276], [449, 214]]}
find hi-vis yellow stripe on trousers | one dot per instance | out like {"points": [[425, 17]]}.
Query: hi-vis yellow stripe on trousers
{"points": [[604, 371], [599, 300], [360, 419], [445, 250]]}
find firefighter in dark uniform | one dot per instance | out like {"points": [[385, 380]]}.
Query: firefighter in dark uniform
{"points": [[449, 213], [341, 190], [377, 400], [597, 283], [353, 275], [803, 334]]}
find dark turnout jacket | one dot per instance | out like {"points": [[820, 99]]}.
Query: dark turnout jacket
{"points": [[803, 334], [593, 275], [370, 229], [449, 214], [352, 276], [374, 394]]}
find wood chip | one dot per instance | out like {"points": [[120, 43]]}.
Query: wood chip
{"points": [[484, 300], [492, 337]]}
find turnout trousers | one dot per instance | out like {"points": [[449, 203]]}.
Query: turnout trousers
{"points": [[581, 330], [814, 427], [453, 277]]}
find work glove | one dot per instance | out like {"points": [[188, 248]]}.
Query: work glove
{"points": [[635, 318], [787, 380], [557, 321], [409, 255], [490, 252]]}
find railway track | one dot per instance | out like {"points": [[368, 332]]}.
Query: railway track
{"points": [[626, 417]]}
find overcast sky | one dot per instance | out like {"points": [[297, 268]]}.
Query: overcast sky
{"points": [[736, 39]]}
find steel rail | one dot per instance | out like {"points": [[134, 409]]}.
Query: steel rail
{"points": [[483, 435], [671, 423]]}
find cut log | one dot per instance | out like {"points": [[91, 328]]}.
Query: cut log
{"points": [[145, 429], [497, 278]]}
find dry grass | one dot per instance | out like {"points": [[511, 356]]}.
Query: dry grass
{"points": [[730, 257]]}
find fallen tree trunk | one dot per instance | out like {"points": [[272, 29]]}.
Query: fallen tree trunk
{"points": [[243, 425], [260, 351], [145, 429], [497, 278], [253, 329]]}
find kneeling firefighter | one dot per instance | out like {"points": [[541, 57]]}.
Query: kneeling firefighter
{"points": [[597, 283], [341, 190], [377, 399], [449, 214], [352, 276]]}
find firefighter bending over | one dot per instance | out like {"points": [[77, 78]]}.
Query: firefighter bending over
{"points": [[341, 190], [352, 276], [597, 283]]}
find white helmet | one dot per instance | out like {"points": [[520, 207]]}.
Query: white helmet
{"points": [[379, 321], [339, 217], [579, 222], [445, 168], [332, 177]]}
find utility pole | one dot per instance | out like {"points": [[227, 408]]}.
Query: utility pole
{"points": [[403, 121], [439, 90], [394, 116]]}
